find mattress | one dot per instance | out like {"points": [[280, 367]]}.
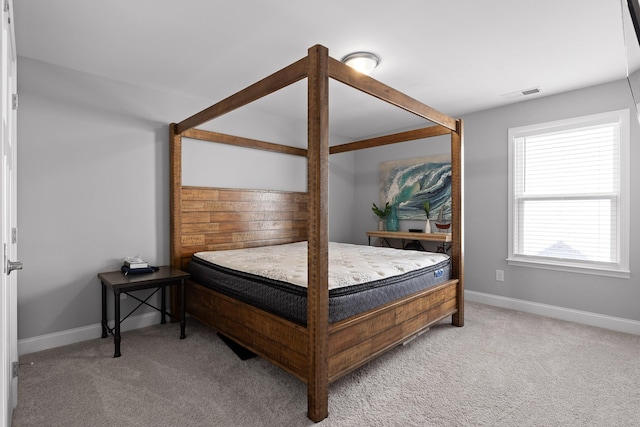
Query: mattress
{"points": [[274, 278]]}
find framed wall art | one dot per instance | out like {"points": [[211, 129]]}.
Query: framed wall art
{"points": [[409, 183]]}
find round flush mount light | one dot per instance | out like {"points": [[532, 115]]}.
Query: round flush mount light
{"points": [[364, 62]]}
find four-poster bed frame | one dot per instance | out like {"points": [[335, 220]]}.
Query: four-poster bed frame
{"points": [[205, 218]]}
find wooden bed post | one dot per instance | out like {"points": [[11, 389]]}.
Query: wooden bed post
{"points": [[175, 202], [175, 175], [317, 183], [457, 201]]}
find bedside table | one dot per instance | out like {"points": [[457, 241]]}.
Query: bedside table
{"points": [[119, 283], [443, 238]]}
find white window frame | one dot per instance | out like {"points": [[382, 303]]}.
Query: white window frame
{"points": [[619, 269]]}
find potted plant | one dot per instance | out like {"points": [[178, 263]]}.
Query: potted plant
{"points": [[382, 214]]}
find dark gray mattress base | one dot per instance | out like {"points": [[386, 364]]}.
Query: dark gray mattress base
{"points": [[290, 301]]}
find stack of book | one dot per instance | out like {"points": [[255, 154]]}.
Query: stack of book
{"points": [[136, 265], [135, 262]]}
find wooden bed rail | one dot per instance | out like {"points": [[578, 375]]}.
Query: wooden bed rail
{"points": [[221, 138], [390, 139], [347, 75], [278, 80]]}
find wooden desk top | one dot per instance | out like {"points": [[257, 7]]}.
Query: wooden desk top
{"points": [[431, 237], [115, 279]]}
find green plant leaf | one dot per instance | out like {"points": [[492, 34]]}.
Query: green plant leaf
{"points": [[381, 213]]}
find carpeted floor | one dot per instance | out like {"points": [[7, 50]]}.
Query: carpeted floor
{"points": [[503, 368]]}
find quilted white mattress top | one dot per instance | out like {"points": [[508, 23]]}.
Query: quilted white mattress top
{"points": [[348, 264]]}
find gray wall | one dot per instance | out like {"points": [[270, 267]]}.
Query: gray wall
{"points": [[93, 187], [367, 179], [485, 199]]}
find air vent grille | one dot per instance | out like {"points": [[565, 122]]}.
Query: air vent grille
{"points": [[523, 92]]}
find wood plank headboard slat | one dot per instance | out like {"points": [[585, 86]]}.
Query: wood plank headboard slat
{"points": [[220, 219]]}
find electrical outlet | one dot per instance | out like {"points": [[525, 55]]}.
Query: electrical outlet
{"points": [[500, 275]]}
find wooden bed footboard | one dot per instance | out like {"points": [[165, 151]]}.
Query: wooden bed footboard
{"points": [[352, 342], [282, 342], [361, 338]]}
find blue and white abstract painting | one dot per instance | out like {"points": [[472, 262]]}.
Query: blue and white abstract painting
{"points": [[410, 182]]}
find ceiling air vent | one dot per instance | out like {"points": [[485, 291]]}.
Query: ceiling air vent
{"points": [[523, 92]]}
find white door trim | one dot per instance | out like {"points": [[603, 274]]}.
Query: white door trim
{"points": [[8, 214]]}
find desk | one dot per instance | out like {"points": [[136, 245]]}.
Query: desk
{"points": [[443, 238], [119, 283]]}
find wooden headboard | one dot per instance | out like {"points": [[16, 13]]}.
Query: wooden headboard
{"points": [[221, 218]]}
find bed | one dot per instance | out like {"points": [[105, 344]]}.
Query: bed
{"points": [[313, 346], [360, 278]]}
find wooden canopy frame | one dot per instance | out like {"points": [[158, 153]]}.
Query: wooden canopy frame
{"points": [[324, 352]]}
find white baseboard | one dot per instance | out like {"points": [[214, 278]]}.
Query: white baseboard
{"points": [[585, 317], [72, 336]]}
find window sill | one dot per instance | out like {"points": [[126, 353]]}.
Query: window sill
{"points": [[570, 267]]}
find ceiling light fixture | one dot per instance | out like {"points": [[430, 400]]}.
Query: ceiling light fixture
{"points": [[364, 62]]}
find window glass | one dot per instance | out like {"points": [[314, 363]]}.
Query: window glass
{"points": [[568, 183]]}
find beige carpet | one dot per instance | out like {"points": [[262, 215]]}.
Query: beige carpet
{"points": [[503, 368]]}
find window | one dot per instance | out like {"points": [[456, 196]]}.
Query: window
{"points": [[569, 195]]}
